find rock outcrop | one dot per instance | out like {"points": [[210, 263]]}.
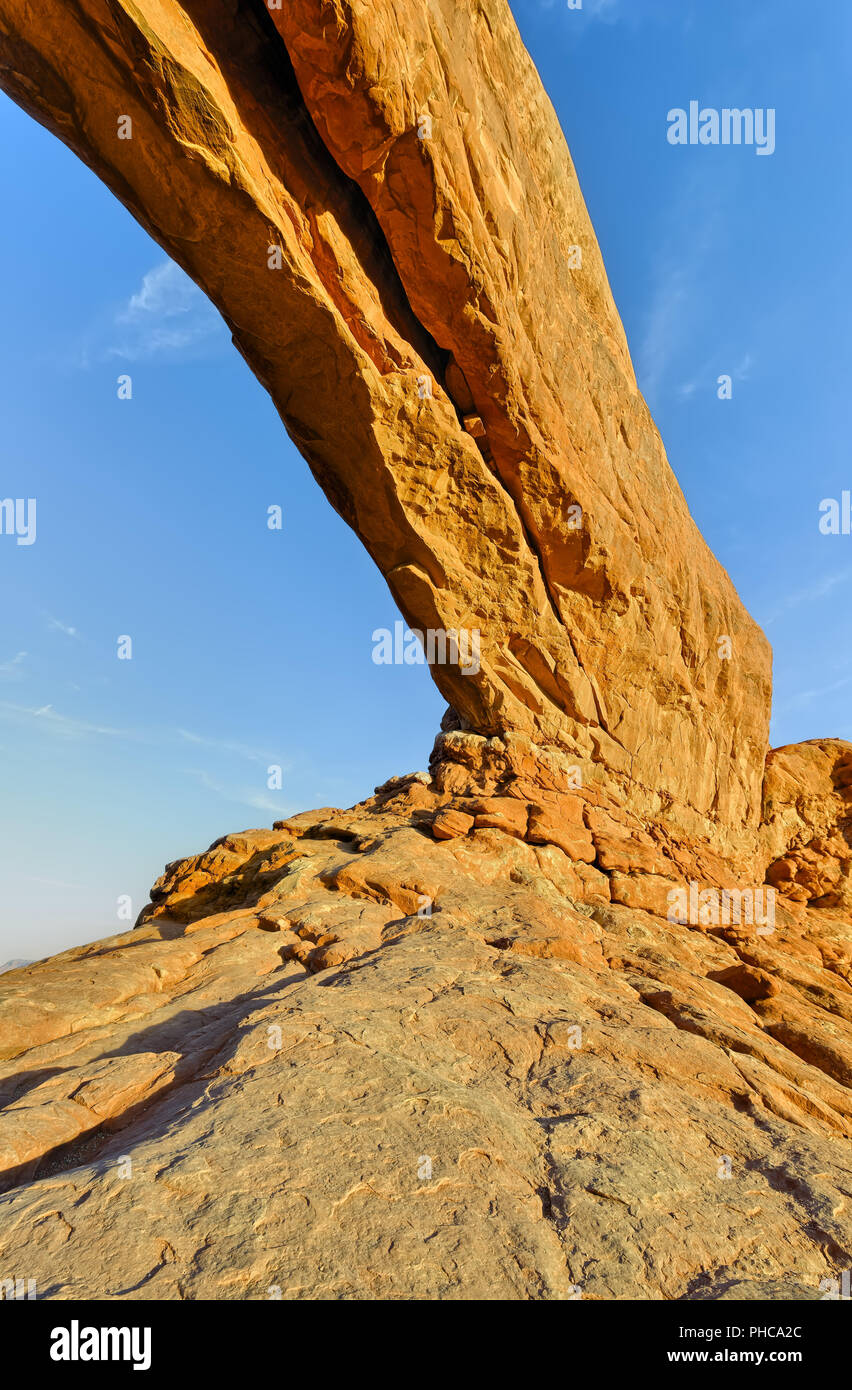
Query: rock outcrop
{"points": [[380, 201], [570, 1014], [347, 1059], [808, 822]]}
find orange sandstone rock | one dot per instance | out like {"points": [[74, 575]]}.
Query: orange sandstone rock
{"points": [[479, 964], [380, 201], [448, 824]]}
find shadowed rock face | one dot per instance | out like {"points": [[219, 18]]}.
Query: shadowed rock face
{"points": [[454, 1042], [408, 171]]}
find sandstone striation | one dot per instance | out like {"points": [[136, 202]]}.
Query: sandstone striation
{"points": [[570, 1014]]}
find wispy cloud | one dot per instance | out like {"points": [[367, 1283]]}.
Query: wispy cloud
{"points": [[13, 669], [58, 626], [237, 750], [45, 882], [166, 317], [607, 10], [811, 593], [54, 722], [679, 279], [242, 796], [50, 721], [807, 697], [707, 376], [167, 314], [165, 291], [222, 776], [630, 13], [667, 314]]}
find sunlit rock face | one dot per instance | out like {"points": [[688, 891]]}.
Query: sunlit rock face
{"points": [[411, 1050], [381, 202]]}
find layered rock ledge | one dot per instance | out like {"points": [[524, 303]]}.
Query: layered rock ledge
{"points": [[436, 1046]]}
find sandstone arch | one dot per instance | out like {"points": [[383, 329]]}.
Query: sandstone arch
{"points": [[450, 257], [578, 1062]]}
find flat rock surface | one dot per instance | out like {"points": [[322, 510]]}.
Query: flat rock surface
{"points": [[495, 1090]]}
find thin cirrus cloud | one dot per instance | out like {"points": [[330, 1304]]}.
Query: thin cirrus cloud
{"points": [[602, 9], [167, 315], [810, 593], [809, 697], [46, 721], [58, 626], [708, 376], [167, 318], [632, 13], [13, 669], [681, 292], [52, 721], [241, 796], [667, 314], [607, 10], [237, 750]]}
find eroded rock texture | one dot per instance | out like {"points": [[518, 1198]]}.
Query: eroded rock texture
{"points": [[808, 822], [457, 1041], [529, 495], [352, 1058]]}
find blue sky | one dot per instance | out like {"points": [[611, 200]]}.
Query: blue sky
{"points": [[251, 647]]}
